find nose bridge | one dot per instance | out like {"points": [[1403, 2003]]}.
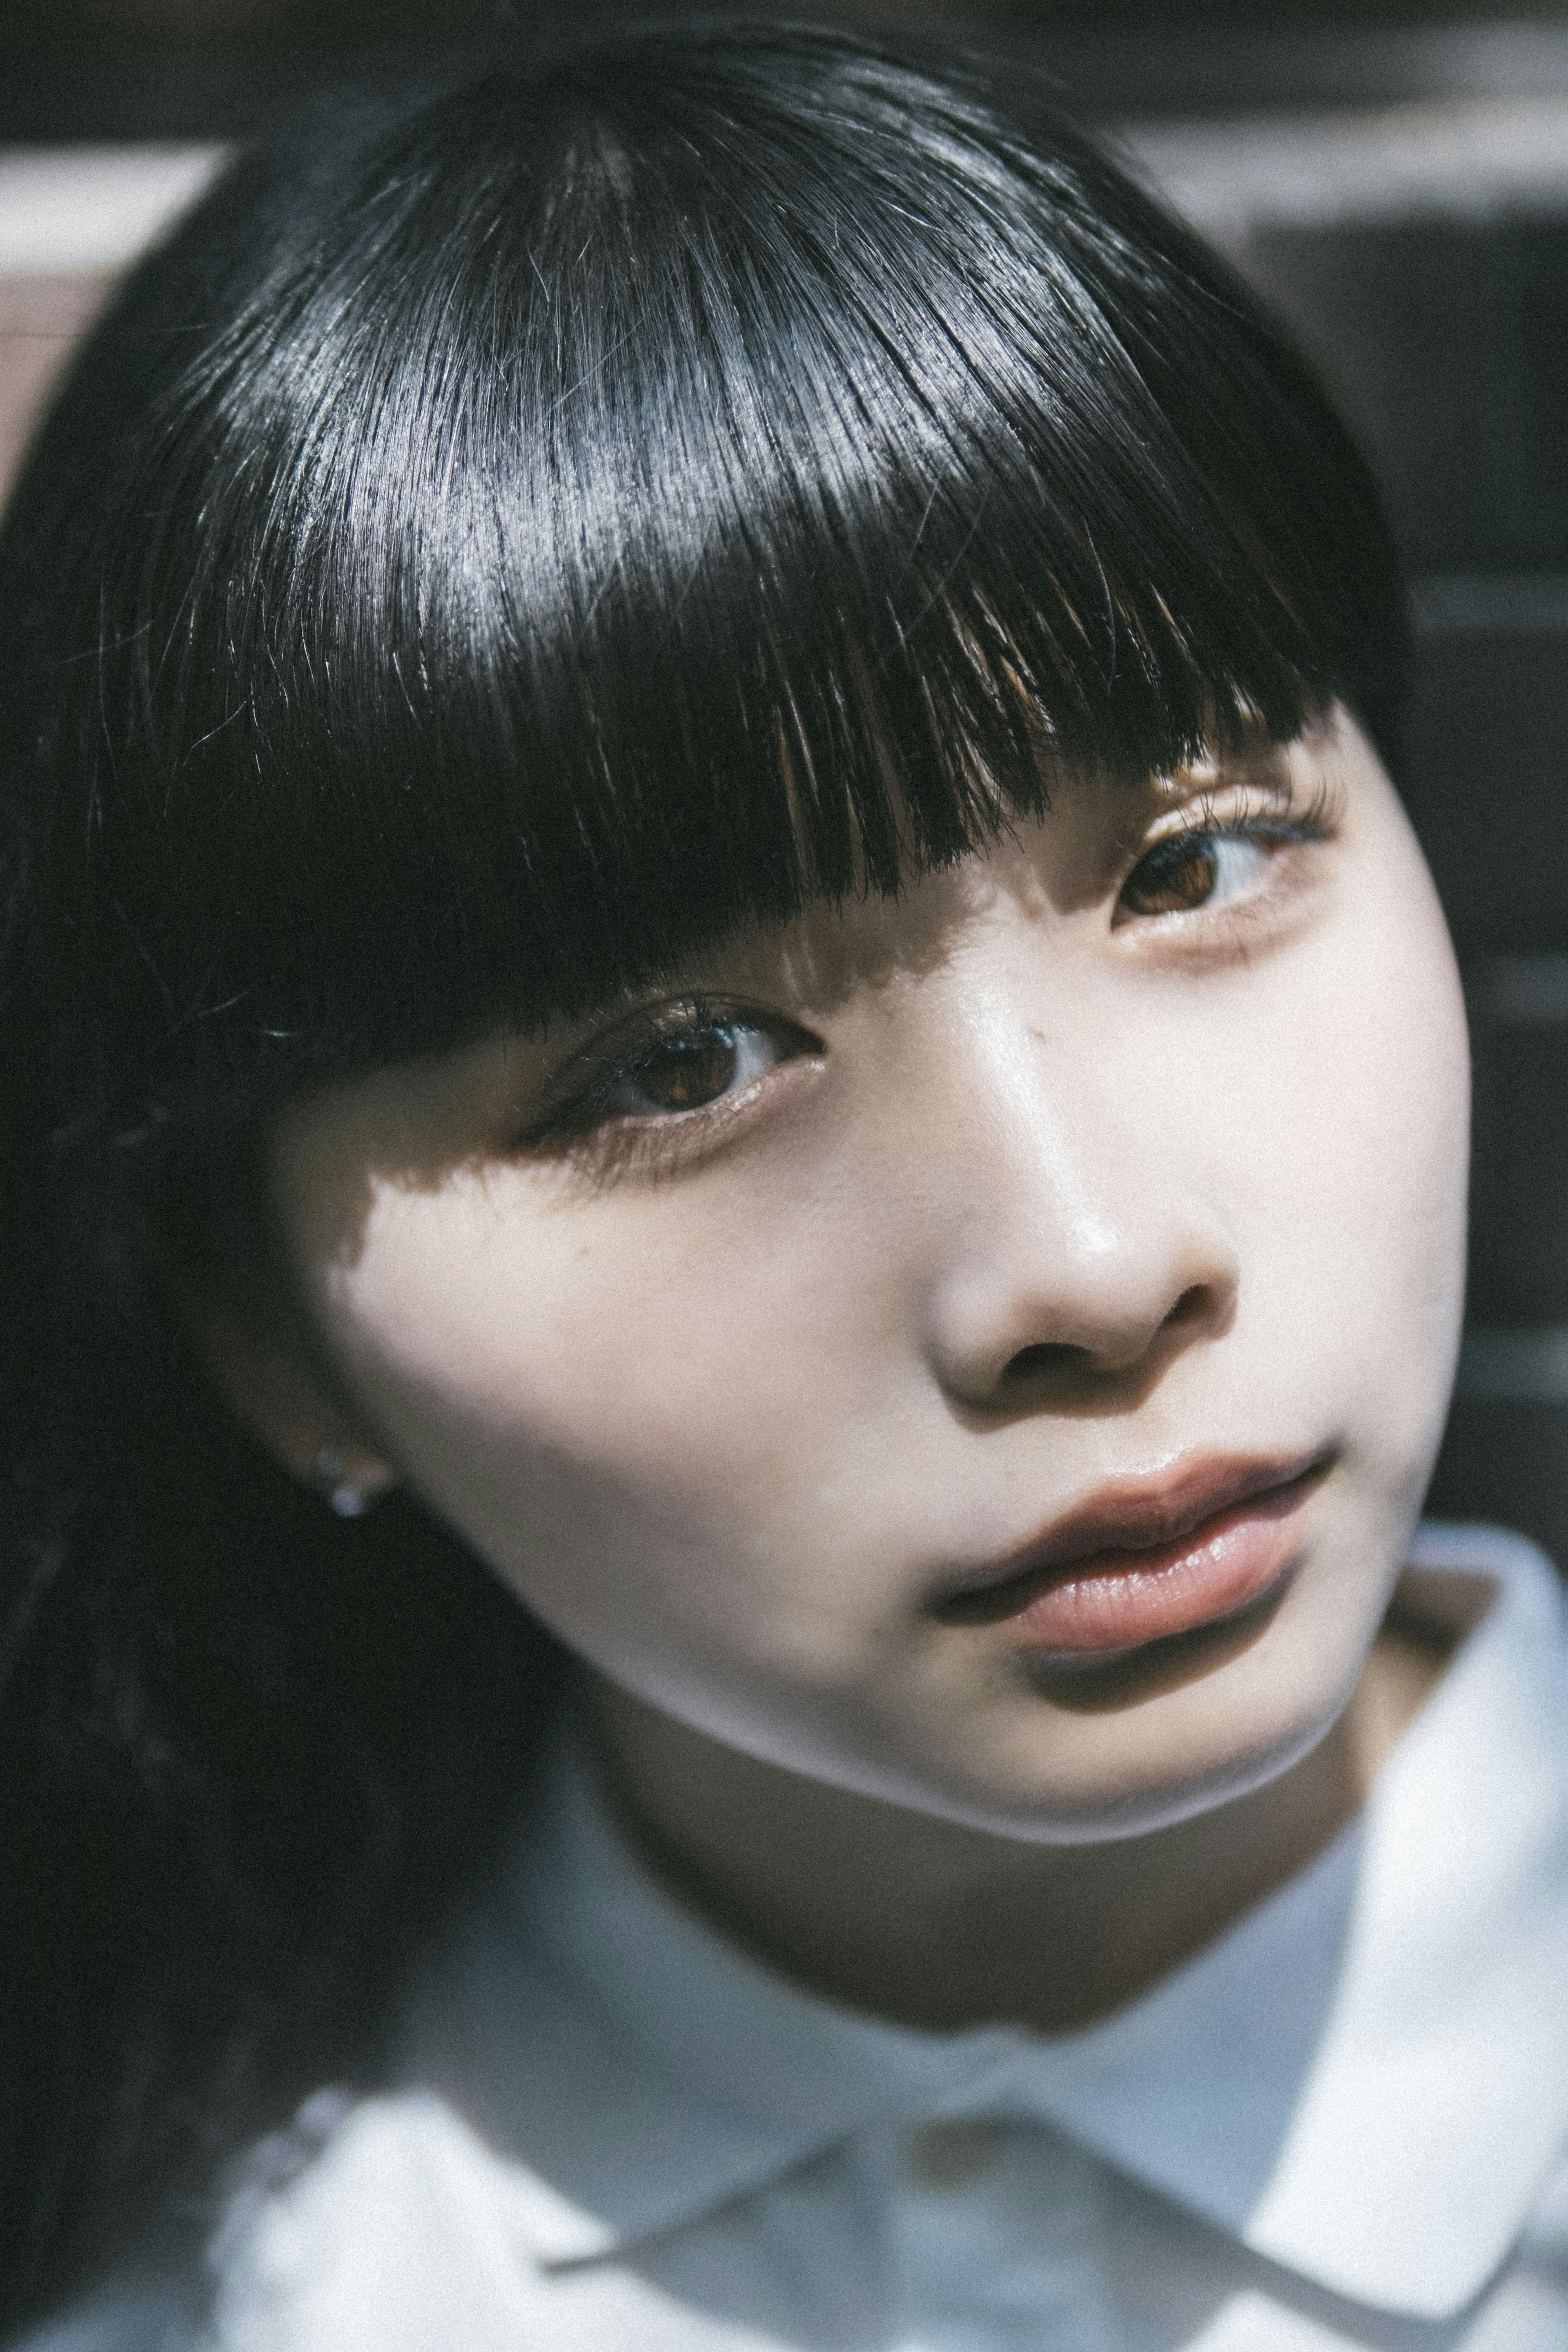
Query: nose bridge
{"points": [[1052, 1138], [1071, 1217], [1046, 1143]]}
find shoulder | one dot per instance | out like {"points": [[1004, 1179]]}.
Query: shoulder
{"points": [[397, 2227], [402, 2228]]}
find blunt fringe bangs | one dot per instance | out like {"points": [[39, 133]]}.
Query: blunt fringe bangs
{"points": [[514, 533]]}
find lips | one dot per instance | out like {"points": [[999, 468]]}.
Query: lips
{"points": [[1142, 1561]]}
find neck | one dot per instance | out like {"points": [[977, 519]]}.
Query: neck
{"points": [[939, 1925]]}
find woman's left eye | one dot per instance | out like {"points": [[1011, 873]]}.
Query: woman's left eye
{"points": [[1190, 870]]}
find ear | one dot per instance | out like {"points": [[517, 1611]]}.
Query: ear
{"points": [[283, 1402]]}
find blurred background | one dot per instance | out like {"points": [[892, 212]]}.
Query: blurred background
{"points": [[1396, 184]]}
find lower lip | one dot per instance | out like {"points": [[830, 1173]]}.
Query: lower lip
{"points": [[1119, 1600]]}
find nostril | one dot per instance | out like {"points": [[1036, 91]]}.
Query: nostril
{"points": [[1193, 1304], [1044, 1360], [1042, 1356]]}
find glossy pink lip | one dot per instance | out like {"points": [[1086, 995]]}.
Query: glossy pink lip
{"points": [[1139, 1563]]}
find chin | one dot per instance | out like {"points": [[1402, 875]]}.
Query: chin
{"points": [[1146, 1809], [1136, 1792]]}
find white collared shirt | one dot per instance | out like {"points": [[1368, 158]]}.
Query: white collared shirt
{"points": [[1343, 2123]]}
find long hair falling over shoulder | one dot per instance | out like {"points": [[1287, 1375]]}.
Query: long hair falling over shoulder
{"points": [[514, 530]]}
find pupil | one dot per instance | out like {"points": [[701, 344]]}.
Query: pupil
{"points": [[1182, 877], [688, 1071]]}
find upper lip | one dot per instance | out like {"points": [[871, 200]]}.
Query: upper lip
{"points": [[1128, 1515]]}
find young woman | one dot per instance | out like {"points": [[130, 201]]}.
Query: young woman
{"points": [[734, 1163]]}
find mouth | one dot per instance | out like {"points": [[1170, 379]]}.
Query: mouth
{"points": [[1142, 1561]]}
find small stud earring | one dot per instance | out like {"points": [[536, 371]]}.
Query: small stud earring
{"points": [[340, 1491]]}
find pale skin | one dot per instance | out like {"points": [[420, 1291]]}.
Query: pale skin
{"points": [[1036, 1177]]}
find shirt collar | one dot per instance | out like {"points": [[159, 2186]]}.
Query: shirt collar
{"points": [[643, 2067], [1364, 2079]]}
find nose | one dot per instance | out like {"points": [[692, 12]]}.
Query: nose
{"points": [[1079, 1247]]}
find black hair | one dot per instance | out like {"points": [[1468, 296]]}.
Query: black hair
{"points": [[515, 531]]}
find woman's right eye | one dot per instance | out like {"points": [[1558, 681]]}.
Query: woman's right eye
{"points": [[691, 1068], [691, 1063]]}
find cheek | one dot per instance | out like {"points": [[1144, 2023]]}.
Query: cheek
{"points": [[1392, 1080], [1352, 1131], [623, 1450]]}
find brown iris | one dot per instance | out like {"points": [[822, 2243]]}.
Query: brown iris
{"points": [[1175, 877], [686, 1071]]}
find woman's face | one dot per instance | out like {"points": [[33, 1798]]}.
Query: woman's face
{"points": [[983, 1349]]}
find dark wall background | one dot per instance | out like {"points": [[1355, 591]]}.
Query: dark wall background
{"points": [[286, 23], [129, 68]]}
